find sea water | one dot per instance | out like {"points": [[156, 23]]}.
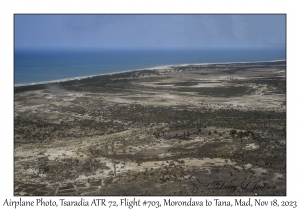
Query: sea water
{"points": [[32, 66]]}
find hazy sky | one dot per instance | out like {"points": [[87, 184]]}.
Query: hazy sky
{"points": [[149, 31]]}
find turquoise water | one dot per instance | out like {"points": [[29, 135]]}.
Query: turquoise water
{"points": [[45, 65]]}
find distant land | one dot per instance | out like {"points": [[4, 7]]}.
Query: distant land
{"points": [[33, 66], [185, 130]]}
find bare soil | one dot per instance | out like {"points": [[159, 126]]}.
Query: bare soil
{"points": [[216, 129]]}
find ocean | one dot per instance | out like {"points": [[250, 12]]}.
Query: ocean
{"points": [[33, 66]]}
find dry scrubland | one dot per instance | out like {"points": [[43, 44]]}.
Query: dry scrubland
{"points": [[189, 130]]}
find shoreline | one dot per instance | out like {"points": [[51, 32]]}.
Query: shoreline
{"points": [[132, 70]]}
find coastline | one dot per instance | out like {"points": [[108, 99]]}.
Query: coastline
{"points": [[132, 70]]}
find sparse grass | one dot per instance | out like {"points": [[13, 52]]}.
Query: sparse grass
{"points": [[227, 91], [91, 124]]}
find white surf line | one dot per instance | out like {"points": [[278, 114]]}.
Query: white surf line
{"points": [[150, 68]]}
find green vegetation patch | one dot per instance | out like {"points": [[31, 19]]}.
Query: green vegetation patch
{"points": [[276, 84], [227, 91]]}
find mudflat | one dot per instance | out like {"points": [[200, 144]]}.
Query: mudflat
{"points": [[215, 129]]}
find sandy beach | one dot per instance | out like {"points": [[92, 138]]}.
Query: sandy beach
{"points": [[151, 68]]}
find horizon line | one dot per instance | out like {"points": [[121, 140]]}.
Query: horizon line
{"points": [[142, 69], [147, 48]]}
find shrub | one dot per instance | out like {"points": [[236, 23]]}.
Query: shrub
{"points": [[232, 132], [240, 134], [46, 168]]}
